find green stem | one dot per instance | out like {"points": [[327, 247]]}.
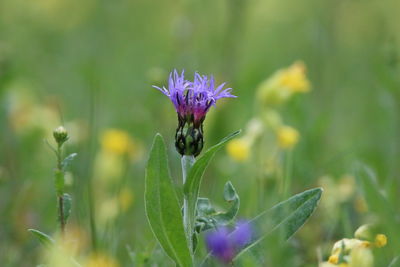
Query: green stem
{"points": [[187, 163], [60, 189]]}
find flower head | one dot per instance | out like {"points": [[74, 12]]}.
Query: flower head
{"points": [[224, 245], [192, 101], [194, 98]]}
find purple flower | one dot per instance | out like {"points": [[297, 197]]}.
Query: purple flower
{"points": [[220, 245], [224, 245], [192, 100]]}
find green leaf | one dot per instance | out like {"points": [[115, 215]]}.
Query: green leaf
{"points": [[231, 196], [162, 206], [192, 185], [68, 160], [208, 217], [284, 218], [44, 239], [67, 203]]}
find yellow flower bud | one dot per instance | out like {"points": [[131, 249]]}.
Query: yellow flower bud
{"points": [[287, 137]]}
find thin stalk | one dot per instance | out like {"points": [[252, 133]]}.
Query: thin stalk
{"points": [[187, 163]]}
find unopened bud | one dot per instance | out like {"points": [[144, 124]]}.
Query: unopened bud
{"points": [[189, 137], [60, 135]]}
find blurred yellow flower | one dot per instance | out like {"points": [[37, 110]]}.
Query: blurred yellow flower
{"points": [[101, 260], [334, 259], [346, 188], [239, 149], [348, 244], [294, 78], [361, 257], [360, 205], [116, 141], [287, 137], [364, 232], [283, 84], [125, 198], [380, 240]]}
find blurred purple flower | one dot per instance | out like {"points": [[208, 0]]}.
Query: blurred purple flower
{"points": [[224, 245], [241, 236], [193, 98]]}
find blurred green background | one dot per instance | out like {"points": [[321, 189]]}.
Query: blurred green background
{"points": [[90, 65]]}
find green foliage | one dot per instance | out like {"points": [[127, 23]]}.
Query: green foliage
{"points": [[192, 186], [208, 217], [67, 161], [286, 217], [162, 206], [43, 238], [67, 205]]}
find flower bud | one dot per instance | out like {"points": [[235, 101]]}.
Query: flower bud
{"points": [[60, 135], [189, 137]]}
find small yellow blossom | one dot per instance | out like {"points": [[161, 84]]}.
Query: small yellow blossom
{"points": [[101, 260], [116, 142], [287, 137], [294, 78], [380, 240], [239, 149]]}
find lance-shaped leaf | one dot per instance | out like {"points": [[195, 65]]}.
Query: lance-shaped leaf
{"points": [[193, 180], [284, 219], [162, 206]]}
